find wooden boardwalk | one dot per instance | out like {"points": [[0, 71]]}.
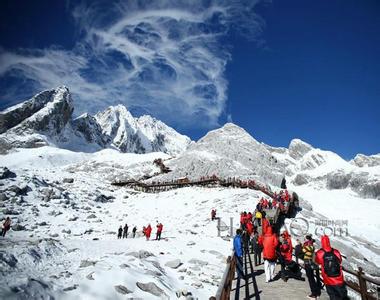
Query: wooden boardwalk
{"points": [[278, 289]]}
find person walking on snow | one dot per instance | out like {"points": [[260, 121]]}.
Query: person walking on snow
{"points": [[125, 231], [159, 231], [270, 243], [120, 232], [6, 226], [330, 260], [134, 231], [213, 214], [148, 232]]}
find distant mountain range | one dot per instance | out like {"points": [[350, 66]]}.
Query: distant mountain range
{"points": [[47, 119]]}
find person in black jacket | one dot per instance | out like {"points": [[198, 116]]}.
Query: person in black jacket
{"points": [[298, 251], [120, 232], [134, 231], [256, 249], [283, 183], [125, 231]]}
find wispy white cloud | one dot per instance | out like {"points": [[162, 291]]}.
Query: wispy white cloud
{"points": [[161, 57]]}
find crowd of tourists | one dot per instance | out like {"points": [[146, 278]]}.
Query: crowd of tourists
{"points": [[257, 236]]}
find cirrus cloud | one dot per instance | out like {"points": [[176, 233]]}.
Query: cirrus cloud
{"points": [[165, 58]]}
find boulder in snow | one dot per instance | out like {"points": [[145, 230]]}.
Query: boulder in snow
{"points": [[151, 288], [5, 173], [121, 289], [174, 264]]}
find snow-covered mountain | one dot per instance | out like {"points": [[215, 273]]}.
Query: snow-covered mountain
{"points": [[139, 135], [306, 165], [227, 152], [47, 119]]}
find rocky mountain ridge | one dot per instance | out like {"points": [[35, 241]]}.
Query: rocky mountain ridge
{"points": [[47, 119]]}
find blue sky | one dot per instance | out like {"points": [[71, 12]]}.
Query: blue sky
{"points": [[280, 69]]}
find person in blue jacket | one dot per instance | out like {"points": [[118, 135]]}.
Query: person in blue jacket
{"points": [[238, 252]]}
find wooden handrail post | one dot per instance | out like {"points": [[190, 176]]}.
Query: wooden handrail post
{"points": [[362, 284]]}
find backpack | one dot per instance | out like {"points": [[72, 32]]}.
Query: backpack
{"points": [[331, 264]]}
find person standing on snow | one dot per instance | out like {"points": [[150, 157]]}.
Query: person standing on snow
{"points": [[125, 231], [330, 260], [213, 214], [159, 231], [6, 226], [120, 232], [270, 243], [148, 232], [134, 231]]}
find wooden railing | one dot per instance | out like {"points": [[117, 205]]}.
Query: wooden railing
{"points": [[224, 289], [361, 286]]}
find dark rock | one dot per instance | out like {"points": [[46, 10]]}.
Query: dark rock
{"points": [[104, 199], [15, 116], [121, 289], [89, 231], [5, 173], [73, 219], [89, 276], [18, 227], [23, 190], [68, 180], [3, 197], [90, 129], [70, 288]]}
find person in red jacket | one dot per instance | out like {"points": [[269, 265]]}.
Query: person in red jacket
{"points": [[159, 231], [270, 243], [331, 264], [264, 223], [148, 232], [249, 217], [286, 250], [249, 228]]}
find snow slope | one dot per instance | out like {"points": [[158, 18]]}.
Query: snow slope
{"points": [[189, 235]]}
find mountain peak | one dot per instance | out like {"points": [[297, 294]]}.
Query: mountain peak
{"points": [[298, 148]]}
